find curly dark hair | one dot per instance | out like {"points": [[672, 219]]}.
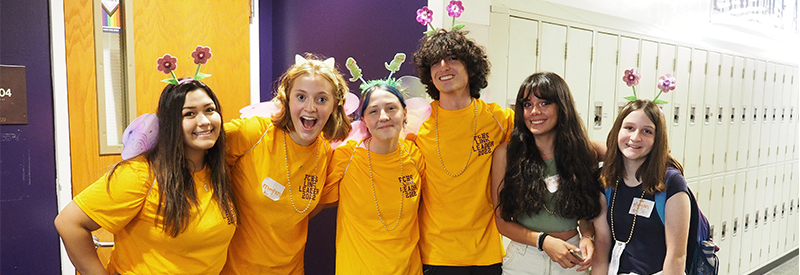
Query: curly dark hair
{"points": [[576, 163], [437, 46]]}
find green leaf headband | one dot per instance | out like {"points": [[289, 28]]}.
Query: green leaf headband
{"points": [[666, 83], [454, 9], [394, 66], [167, 64]]}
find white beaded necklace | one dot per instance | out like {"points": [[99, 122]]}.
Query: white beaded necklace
{"points": [[375, 197], [289, 179], [474, 129]]}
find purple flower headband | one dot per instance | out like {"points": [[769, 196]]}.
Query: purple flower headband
{"points": [[454, 9], [167, 64], [666, 83]]}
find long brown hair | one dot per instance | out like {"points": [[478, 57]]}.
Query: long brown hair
{"points": [[169, 166], [653, 171], [338, 125], [523, 184]]}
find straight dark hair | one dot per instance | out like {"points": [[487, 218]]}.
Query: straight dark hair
{"points": [[524, 187], [169, 166], [653, 171]]}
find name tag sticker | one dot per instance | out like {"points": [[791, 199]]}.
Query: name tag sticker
{"points": [[552, 183], [272, 189], [645, 207]]}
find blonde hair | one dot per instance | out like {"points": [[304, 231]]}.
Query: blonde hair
{"points": [[338, 125]]}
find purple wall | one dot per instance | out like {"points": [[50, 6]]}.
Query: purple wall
{"points": [[369, 31], [29, 243]]}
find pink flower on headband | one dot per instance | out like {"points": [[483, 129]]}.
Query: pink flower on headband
{"points": [[666, 83], [631, 77], [201, 55], [167, 63], [424, 15], [454, 9]]}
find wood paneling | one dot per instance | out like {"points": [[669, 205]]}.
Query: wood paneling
{"points": [[174, 27]]}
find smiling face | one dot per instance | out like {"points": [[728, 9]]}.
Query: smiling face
{"points": [[450, 76], [540, 115], [636, 136], [201, 123], [310, 105], [384, 116]]}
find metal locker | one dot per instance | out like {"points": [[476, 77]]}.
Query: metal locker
{"points": [[755, 114], [721, 119], [734, 115], [748, 232], [716, 218], [553, 40], [678, 113], [773, 200], [628, 56], [775, 152], [726, 239], [694, 127], [499, 89], [764, 114], [760, 223], [579, 70], [604, 83], [708, 118], [745, 113], [786, 131], [523, 34], [647, 68], [794, 113]]}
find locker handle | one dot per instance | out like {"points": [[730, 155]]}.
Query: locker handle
{"points": [[774, 213], [677, 115], [735, 226], [733, 114], [724, 228], [774, 114], [691, 115], [744, 114], [707, 116], [783, 114], [766, 215], [598, 115], [755, 222], [783, 209], [746, 222], [719, 115], [712, 231], [765, 113]]}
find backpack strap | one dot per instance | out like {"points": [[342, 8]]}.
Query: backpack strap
{"points": [[661, 197], [608, 196]]}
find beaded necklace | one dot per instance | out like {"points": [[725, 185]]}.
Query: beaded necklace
{"points": [[613, 198], [289, 179], [375, 197], [474, 132]]}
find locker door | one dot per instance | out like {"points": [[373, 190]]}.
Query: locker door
{"points": [[748, 229], [694, 128], [716, 217], [523, 34], [786, 133], [554, 48], [795, 207], [579, 69], [728, 234], [782, 199], [499, 89], [779, 129], [678, 99], [793, 114], [774, 107], [604, 83], [774, 203], [764, 114], [745, 110], [628, 56], [722, 119], [708, 115], [759, 222], [755, 114], [647, 68], [734, 114]]}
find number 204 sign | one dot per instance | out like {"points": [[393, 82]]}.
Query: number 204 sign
{"points": [[13, 102]]}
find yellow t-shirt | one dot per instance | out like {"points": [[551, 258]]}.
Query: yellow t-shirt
{"points": [[140, 245], [364, 245], [272, 235], [456, 217]]}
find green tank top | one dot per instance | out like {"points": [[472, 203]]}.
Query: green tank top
{"points": [[544, 221]]}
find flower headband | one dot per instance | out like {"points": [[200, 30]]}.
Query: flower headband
{"points": [[666, 83], [454, 9], [167, 64]]}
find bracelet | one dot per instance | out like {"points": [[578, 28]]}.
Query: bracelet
{"points": [[589, 237], [542, 235]]}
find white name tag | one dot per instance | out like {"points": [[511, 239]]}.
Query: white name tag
{"points": [[552, 183], [272, 189], [645, 207]]}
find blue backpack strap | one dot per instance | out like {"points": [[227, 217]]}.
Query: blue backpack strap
{"points": [[608, 196], [661, 197]]}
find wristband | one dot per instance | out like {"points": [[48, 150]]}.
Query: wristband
{"points": [[588, 237], [542, 235]]}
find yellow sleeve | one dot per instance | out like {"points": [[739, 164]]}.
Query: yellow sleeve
{"points": [[114, 204], [505, 117], [336, 167], [242, 134]]}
